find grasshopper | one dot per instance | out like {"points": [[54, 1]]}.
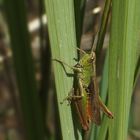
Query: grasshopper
{"points": [[85, 92]]}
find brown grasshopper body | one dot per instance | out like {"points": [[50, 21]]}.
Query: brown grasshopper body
{"points": [[85, 94]]}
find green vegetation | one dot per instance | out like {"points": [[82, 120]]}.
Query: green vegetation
{"points": [[120, 72]]}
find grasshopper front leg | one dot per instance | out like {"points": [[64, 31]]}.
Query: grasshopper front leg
{"points": [[75, 69], [71, 97], [75, 94]]}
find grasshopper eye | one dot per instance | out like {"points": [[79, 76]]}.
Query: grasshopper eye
{"points": [[93, 57], [91, 60]]}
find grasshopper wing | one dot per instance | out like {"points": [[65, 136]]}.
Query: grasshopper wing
{"points": [[93, 106], [81, 115], [80, 105]]}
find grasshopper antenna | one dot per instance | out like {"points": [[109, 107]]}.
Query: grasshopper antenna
{"points": [[92, 43], [92, 48], [81, 50]]}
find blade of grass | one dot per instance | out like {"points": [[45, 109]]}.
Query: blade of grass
{"points": [[103, 93], [122, 63], [79, 7], [137, 71], [104, 80], [30, 104], [61, 25], [103, 27], [103, 130], [101, 36]]}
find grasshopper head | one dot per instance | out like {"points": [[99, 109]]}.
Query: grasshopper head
{"points": [[88, 59]]}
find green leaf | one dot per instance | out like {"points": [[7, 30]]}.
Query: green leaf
{"points": [[122, 63], [104, 80], [61, 25]]}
